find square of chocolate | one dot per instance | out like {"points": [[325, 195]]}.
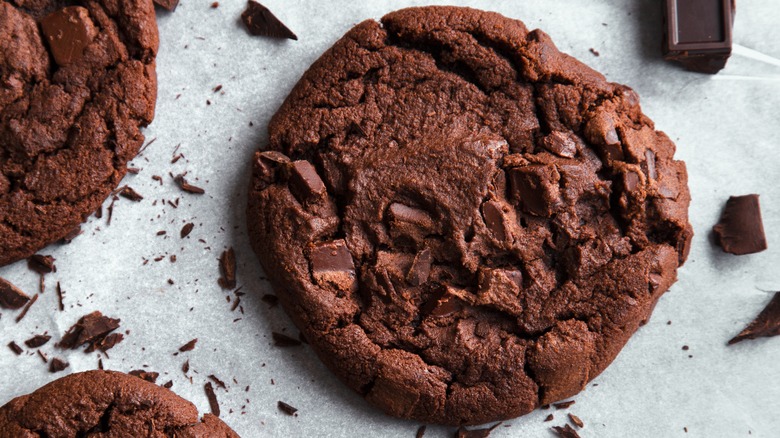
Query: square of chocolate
{"points": [[697, 33]]}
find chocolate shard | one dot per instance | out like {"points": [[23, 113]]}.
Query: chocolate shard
{"points": [[462, 432], [212, 397], [68, 32], [564, 405], [11, 297], [566, 431], [42, 264], [421, 268], [286, 408], [149, 376], [560, 144], [37, 341], [15, 348], [267, 163], [332, 265], [441, 304], [766, 324], [536, 188], [494, 215], [740, 229], [186, 186], [186, 230], [282, 340], [575, 420], [129, 193], [305, 183], [170, 5], [56, 365], [105, 343], [600, 131], [189, 346], [698, 33], [409, 222], [260, 21], [90, 328], [499, 288], [227, 268]]}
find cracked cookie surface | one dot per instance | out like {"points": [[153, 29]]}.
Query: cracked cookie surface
{"points": [[464, 222], [106, 404], [77, 82]]}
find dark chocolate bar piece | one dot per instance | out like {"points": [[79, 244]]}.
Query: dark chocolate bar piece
{"points": [[740, 229], [697, 33]]}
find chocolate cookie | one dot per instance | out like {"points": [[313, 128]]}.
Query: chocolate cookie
{"points": [[77, 81], [106, 403], [464, 222]]}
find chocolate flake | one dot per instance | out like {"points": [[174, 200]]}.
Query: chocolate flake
{"points": [[185, 367], [15, 348], [282, 340], [740, 230], [90, 329], [27, 308], [149, 376], [549, 417], [189, 346], [106, 343], [168, 384], [129, 193], [576, 420], [42, 264], [766, 324], [286, 408], [475, 433], [421, 268], [566, 431], [186, 230], [420, 432], [213, 403], [60, 294], [564, 405], [11, 297], [260, 21], [187, 187], [56, 365], [218, 382], [37, 341], [227, 268]]}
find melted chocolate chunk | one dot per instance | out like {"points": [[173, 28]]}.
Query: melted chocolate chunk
{"points": [[740, 229], [11, 297], [332, 265], [68, 31], [259, 21], [305, 184], [493, 213], [560, 144], [444, 303], [766, 324], [535, 187], [421, 268]]}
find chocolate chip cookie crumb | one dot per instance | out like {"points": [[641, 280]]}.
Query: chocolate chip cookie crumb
{"points": [[740, 229], [260, 21], [576, 420], [56, 365], [227, 269], [37, 341], [186, 230], [282, 340], [213, 403], [566, 431], [11, 297], [15, 348], [287, 409], [189, 346], [91, 329], [27, 308], [766, 324], [149, 376]]}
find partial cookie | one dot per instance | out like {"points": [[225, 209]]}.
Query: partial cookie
{"points": [[464, 222], [106, 403], [78, 83]]}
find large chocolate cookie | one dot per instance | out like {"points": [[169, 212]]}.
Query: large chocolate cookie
{"points": [[77, 81], [105, 403], [464, 222]]}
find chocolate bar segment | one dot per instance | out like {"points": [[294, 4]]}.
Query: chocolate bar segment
{"points": [[697, 33]]}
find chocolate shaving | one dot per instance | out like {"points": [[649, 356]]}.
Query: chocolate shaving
{"points": [[286, 408], [185, 367], [475, 433], [106, 343], [227, 269], [42, 264], [576, 420], [27, 308], [566, 431], [56, 365], [420, 432], [766, 324], [149, 376], [186, 230], [549, 417], [187, 187], [11, 297], [15, 348], [218, 382], [212, 398], [282, 340], [563, 405], [91, 329], [129, 193], [60, 294], [260, 21], [189, 346], [37, 341]]}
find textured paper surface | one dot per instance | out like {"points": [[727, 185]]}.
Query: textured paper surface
{"points": [[726, 128]]}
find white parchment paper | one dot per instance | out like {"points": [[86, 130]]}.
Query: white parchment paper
{"points": [[726, 128]]}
